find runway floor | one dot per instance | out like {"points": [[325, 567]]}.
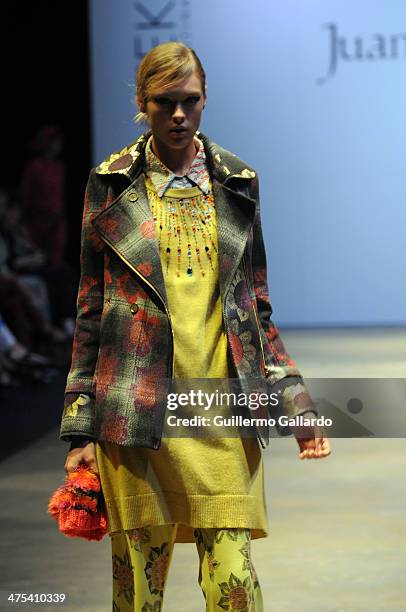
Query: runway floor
{"points": [[337, 526]]}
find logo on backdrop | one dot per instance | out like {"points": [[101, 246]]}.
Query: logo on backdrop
{"points": [[171, 22], [371, 48]]}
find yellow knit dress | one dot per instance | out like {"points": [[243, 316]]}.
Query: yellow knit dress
{"points": [[195, 482]]}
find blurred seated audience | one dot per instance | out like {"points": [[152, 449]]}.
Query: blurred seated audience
{"points": [[16, 361], [53, 287]]}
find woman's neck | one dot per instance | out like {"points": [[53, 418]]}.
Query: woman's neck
{"points": [[177, 160]]}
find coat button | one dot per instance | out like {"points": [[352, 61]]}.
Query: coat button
{"points": [[133, 196], [134, 308]]}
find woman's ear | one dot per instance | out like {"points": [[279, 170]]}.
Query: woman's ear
{"points": [[141, 104]]}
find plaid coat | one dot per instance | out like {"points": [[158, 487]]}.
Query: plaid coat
{"points": [[123, 343]]}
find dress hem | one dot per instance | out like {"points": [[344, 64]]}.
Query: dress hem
{"points": [[191, 512]]}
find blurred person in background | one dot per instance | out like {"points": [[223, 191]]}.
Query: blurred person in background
{"points": [[42, 192]]}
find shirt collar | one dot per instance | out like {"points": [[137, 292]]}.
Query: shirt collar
{"points": [[163, 178]]}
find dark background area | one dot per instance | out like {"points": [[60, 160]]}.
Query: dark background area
{"points": [[45, 79]]}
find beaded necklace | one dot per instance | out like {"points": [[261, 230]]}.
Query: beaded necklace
{"points": [[186, 228]]}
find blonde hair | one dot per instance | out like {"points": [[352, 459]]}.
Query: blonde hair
{"points": [[163, 65]]}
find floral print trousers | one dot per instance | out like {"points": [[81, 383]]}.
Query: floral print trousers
{"points": [[141, 559]]}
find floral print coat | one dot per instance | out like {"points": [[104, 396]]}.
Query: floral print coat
{"points": [[122, 354]]}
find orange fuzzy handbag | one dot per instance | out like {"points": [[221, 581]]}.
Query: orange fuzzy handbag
{"points": [[78, 505]]}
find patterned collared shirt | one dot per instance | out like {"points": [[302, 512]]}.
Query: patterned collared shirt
{"points": [[163, 178]]}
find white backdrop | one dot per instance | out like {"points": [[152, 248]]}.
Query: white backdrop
{"points": [[312, 95]]}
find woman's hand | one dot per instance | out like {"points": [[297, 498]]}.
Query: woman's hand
{"points": [[314, 448], [85, 453], [313, 444]]}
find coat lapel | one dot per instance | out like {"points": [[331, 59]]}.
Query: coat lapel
{"points": [[128, 227], [235, 216]]}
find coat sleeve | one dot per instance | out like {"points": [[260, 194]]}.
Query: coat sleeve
{"points": [[78, 416], [280, 369]]}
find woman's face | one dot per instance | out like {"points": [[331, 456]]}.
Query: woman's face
{"points": [[179, 106]]}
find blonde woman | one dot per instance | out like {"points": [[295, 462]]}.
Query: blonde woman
{"points": [[174, 286]]}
